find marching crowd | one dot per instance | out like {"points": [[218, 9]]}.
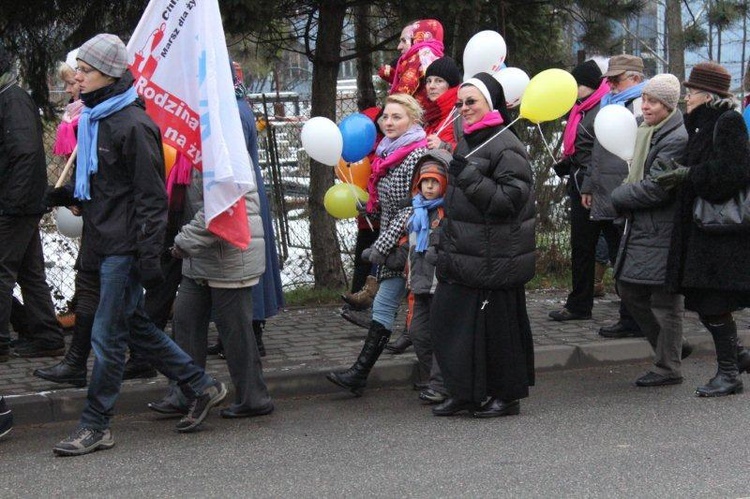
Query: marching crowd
{"points": [[449, 222]]}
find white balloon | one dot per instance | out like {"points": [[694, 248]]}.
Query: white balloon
{"points": [[68, 224], [485, 52], [514, 82], [615, 128], [71, 59], [322, 140]]}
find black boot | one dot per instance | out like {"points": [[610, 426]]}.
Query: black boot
{"points": [[258, 327], [400, 344], [727, 380], [138, 368], [72, 369], [354, 379], [743, 358], [216, 349]]}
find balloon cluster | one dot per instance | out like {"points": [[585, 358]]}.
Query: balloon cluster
{"points": [[545, 97], [345, 148]]}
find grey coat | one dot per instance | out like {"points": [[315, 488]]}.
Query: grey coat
{"points": [[422, 279], [604, 175], [650, 210], [212, 258]]}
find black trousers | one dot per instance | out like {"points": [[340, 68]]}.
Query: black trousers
{"points": [[584, 234], [22, 262]]}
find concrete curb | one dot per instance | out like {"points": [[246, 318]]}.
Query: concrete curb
{"points": [[67, 404]]}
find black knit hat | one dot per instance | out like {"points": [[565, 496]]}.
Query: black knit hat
{"points": [[710, 77], [444, 68], [6, 60], [492, 90], [588, 74]]}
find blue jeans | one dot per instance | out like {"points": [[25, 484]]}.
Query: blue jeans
{"points": [[387, 300], [119, 317]]}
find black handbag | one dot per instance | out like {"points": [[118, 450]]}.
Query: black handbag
{"points": [[733, 215]]}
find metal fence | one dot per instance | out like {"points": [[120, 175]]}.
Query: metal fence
{"points": [[286, 173]]}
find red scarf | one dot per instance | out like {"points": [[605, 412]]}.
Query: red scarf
{"points": [[576, 115], [436, 114], [381, 167]]}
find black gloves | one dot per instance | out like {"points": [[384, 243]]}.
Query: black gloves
{"points": [[150, 270], [673, 178], [396, 259], [60, 196], [457, 165], [373, 256]]}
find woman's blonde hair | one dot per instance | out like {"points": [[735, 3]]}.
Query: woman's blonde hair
{"points": [[413, 109], [64, 70]]}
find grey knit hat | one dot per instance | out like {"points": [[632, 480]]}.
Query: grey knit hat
{"points": [[665, 88], [106, 53]]}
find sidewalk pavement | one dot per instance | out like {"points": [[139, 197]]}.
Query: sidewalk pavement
{"points": [[303, 344]]}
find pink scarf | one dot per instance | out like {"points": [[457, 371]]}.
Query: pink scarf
{"points": [[380, 167], [493, 118], [65, 140], [179, 174], [576, 115]]}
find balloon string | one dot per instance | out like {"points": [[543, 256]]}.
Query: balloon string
{"points": [[491, 138], [549, 151], [446, 123], [354, 193], [66, 170]]}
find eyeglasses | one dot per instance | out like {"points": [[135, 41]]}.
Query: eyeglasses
{"points": [[693, 93], [468, 102], [85, 71], [614, 80]]}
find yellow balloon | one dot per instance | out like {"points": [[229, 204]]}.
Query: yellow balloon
{"points": [[549, 95], [340, 200]]}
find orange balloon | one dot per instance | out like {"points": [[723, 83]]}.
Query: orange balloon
{"points": [[170, 156], [354, 173]]}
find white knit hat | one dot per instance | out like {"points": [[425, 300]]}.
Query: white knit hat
{"points": [[665, 88]]}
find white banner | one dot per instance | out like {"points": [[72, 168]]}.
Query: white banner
{"points": [[182, 70]]}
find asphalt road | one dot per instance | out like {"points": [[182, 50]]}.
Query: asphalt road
{"points": [[582, 433]]}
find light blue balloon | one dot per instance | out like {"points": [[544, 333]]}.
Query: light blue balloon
{"points": [[358, 132], [746, 115]]}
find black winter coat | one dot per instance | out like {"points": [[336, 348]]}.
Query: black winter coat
{"points": [[718, 169], [127, 213], [23, 168], [487, 240]]}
